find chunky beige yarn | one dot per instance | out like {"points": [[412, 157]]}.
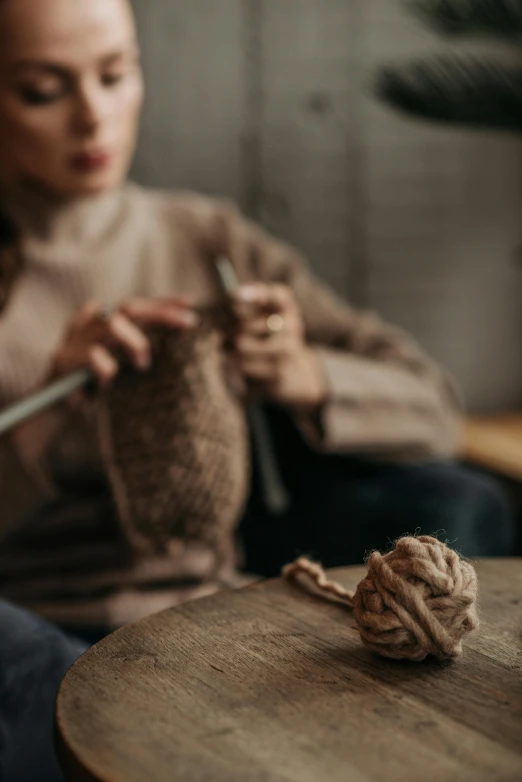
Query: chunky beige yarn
{"points": [[418, 600]]}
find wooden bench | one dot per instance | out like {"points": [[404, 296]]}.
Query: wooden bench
{"points": [[495, 443]]}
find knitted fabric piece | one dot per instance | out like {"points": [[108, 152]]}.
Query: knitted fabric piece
{"points": [[175, 445]]}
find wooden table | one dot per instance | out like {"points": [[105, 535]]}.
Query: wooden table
{"points": [[271, 685]]}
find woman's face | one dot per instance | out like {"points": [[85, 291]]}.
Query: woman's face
{"points": [[70, 93]]}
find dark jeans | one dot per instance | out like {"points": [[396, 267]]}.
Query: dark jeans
{"points": [[342, 507], [34, 656]]}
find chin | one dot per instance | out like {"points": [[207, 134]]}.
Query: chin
{"points": [[94, 183], [95, 188]]}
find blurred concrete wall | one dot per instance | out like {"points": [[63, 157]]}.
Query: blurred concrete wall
{"points": [[268, 101]]}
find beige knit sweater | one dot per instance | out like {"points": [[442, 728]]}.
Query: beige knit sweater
{"points": [[69, 561]]}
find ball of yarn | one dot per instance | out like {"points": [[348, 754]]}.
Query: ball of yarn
{"points": [[418, 600]]}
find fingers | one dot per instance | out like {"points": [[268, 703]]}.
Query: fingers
{"points": [[102, 364], [91, 336], [261, 328], [255, 326], [173, 313], [121, 331], [256, 305], [131, 339], [249, 346], [86, 314], [100, 335], [261, 361], [263, 297], [259, 370]]}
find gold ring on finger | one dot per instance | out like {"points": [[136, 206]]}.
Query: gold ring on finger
{"points": [[274, 324]]}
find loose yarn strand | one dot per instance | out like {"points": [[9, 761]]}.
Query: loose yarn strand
{"points": [[312, 578]]}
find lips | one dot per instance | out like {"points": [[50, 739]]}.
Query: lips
{"points": [[91, 161]]}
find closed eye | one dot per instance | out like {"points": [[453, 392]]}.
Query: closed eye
{"points": [[111, 79], [35, 97]]}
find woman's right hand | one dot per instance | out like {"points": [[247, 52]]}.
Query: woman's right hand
{"points": [[92, 338]]}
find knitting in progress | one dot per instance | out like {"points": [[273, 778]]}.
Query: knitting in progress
{"points": [[175, 446], [418, 600]]}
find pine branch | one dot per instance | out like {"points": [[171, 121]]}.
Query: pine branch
{"points": [[490, 18], [469, 93]]}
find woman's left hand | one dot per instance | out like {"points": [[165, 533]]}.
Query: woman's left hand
{"points": [[270, 348]]}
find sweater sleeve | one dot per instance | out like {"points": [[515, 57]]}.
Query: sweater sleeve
{"points": [[385, 396]]}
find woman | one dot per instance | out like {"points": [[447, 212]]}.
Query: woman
{"points": [[88, 263]]}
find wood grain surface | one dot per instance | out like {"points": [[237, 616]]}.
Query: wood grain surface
{"points": [[269, 684]]}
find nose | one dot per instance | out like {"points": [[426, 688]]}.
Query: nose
{"points": [[88, 111]]}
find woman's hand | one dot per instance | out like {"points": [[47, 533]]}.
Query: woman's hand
{"points": [[270, 348], [93, 339]]}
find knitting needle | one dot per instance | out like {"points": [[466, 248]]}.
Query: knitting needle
{"points": [[276, 496], [56, 392], [41, 400]]}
